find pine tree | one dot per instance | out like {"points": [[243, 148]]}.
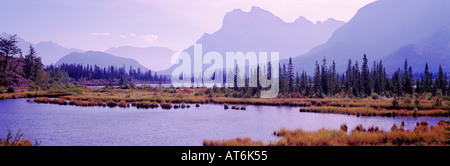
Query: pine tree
{"points": [[356, 80], [406, 79], [290, 75], [428, 82], [397, 83], [349, 78], [29, 63], [365, 77], [9, 49], [317, 81], [324, 77]]}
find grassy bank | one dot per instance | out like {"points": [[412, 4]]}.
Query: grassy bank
{"points": [[422, 135], [146, 97], [16, 140]]}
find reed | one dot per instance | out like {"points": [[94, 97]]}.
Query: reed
{"points": [[42, 100], [147, 104], [166, 105], [123, 104], [233, 142], [422, 135], [17, 140]]}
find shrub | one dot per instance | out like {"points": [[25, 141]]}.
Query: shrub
{"points": [[166, 105], [416, 102], [438, 98], [394, 128], [123, 104], [407, 99], [18, 140], [344, 127], [375, 96], [395, 103], [10, 89], [111, 103]]}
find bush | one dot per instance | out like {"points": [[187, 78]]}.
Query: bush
{"points": [[344, 127], [407, 99], [375, 96], [416, 102], [18, 140], [165, 105], [438, 98], [395, 103], [111, 103], [10, 90]]}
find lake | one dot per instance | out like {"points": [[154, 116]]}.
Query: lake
{"points": [[58, 125]]}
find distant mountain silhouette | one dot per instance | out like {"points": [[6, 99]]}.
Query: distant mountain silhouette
{"points": [[434, 50], [100, 59], [154, 58], [261, 31], [386, 29], [49, 51]]}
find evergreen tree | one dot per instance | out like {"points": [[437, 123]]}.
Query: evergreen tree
{"points": [[324, 77], [406, 79], [441, 80], [365, 77], [397, 83], [290, 75], [8, 50], [349, 78], [317, 88], [29, 63], [356, 80], [428, 82]]}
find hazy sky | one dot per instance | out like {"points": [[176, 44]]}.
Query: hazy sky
{"points": [[176, 24]]}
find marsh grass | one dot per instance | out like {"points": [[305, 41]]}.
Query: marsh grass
{"points": [[17, 140], [422, 135], [233, 142], [350, 106]]}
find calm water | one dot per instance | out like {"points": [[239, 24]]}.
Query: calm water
{"points": [[71, 125]]}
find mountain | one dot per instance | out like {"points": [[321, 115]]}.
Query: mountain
{"points": [[380, 29], [100, 59], [260, 31], [154, 58], [434, 50], [49, 51]]}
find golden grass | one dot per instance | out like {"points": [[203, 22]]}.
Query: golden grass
{"points": [[422, 135], [17, 140], [233, 142], [125, 97]]}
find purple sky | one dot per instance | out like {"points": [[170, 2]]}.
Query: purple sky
{"points": [[176, 24]]}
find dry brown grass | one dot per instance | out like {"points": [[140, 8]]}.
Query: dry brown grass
{"points": [[233, 142], [422, 135]]}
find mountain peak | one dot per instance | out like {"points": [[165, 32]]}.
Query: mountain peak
{"points": [[255, 15]]}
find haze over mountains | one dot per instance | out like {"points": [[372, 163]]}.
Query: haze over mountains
{"points": [[100, 59], [49, 51], [260, 31], [388, 30], [154, 58], [391, 30]]}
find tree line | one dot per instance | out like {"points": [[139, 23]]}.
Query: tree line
{"points": [[361, 81], [81, 72]]}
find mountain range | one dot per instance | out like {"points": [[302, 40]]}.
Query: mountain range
{"points": [[100, 59], [389, 30], [49, 51], [261, 31], [154, 58]]}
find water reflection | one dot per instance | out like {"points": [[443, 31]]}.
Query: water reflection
{"points": [[72, 125]]}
